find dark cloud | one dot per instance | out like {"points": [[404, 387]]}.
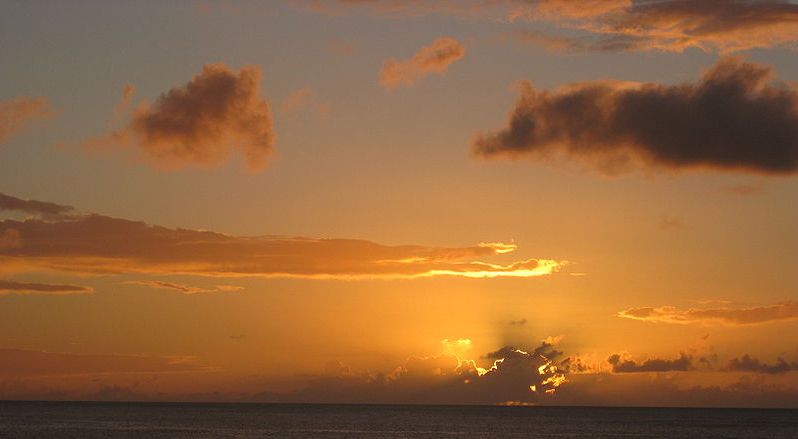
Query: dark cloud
{"points": [[33, 207], [714, 316], [12, 287], [747, 363], [18, 113], [621, 365], [96, 244], [202, 122], [519, 322], [734, 119]]}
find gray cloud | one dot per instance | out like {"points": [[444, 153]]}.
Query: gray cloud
{"points": [[746, 363], [736, 118]]}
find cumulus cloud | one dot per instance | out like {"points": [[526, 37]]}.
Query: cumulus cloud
{"points": [[92, 243], [185, 289], [202, 122], [736, 118], [515, 376], [715, 316], [746, 363], [435, 58], [626, 365], [12, 287], [18, 113]]}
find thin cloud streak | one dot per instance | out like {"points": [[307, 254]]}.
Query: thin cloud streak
{"points": [[13, 287], [96, 244], [714, 316]]}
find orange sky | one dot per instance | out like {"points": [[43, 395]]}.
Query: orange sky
{"points": [[392, 201]]}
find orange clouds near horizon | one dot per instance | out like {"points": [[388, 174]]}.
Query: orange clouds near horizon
{"points": [[714, 316], [96, 244]]}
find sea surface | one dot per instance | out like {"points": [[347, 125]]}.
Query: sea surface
{"points": [[167, 420]]}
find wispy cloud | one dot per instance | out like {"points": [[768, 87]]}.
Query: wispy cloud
{"points": [[94, 243], [185, 289], [13, 287], [432, 59], [627, 365], [714, 316], [18, 113]]}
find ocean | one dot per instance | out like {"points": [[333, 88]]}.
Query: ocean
{"points": [[177, 420]]}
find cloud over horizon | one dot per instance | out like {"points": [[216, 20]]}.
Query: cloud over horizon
{"points": [[516, 376], [432, 59], [201, 123], [736, 118]]}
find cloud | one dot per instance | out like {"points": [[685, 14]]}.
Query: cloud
{"points": [[715, 316], [124, 102], [185, 289], [515, 376], [747, 363], [519, 322], [621, 365], [19, 363], [200, 123], [18, 113], [435, 58], [736, 118], [613, 25], [668, 25], [38, 208], [97, 244], [302, 99], [12, 287]]}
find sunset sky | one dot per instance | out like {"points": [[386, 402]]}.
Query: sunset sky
{"points": [[400, 201]]}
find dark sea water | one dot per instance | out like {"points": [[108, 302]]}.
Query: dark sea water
{"points": [[155, 420]]}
